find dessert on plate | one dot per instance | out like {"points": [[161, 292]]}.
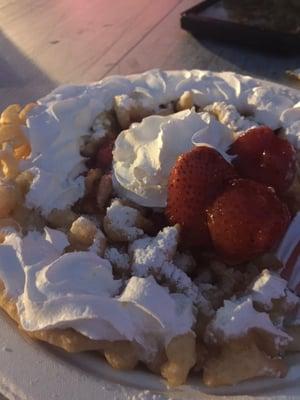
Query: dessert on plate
{"points": [[155, 219]]}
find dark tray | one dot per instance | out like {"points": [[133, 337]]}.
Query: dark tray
{"points": [[247, 22]]}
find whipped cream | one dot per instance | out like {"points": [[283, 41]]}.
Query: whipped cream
{"points": [[208, 87], [55, 130], [267, 105], [57, 239], [30, 250], [228, 115], [56, 126], [77, 290], [145, 153]]}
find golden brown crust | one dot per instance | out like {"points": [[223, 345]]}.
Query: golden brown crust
{"points": [[181, 355], [174, 364], [226, 363], [240, 360], [67, 339]]}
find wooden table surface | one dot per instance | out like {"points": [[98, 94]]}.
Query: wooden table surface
{"points": [[45, 43], [48, 42]]}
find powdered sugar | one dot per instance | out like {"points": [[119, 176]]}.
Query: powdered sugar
{"points": [[101, 125], [154, 256], [122, 220], [117, 258], [147, 395], [237, 318], [269, 286], [152, 253]]}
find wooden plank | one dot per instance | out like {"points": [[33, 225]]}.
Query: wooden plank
{"points": [[172, 48], [20, 79], [73, 40], [44, 43]]}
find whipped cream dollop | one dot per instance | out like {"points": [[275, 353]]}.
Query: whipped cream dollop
{"points": [[77, 290], [145, 153], [55, 163], [56, 126], [55, 129]]}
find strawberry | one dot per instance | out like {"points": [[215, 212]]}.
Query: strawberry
{"points": [[104, 156], [246, 220], [264, 157], [195, 180]]}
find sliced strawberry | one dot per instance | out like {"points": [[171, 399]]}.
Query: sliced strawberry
{"points": [[246, 220], [195, 180], [104, 156], [264, 157]]}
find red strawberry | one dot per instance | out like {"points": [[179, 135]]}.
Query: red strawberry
{"points": [[195, 180], [264, 157], [104, 156], [246, 220]]}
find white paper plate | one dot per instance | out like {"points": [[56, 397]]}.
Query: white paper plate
{"points": [[30, 370], [34, 371]]}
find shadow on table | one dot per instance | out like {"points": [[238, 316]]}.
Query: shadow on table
{"points": [[21, 80]]}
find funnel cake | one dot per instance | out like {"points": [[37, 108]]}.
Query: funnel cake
{"points": [[88, 260]]}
